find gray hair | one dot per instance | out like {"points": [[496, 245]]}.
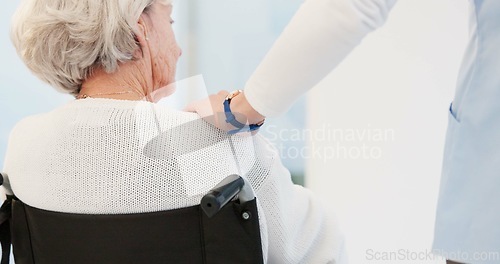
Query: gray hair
{"points": [[62, 41]]}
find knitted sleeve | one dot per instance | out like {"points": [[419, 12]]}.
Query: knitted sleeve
{"points": [[5, 189], [298, 226]]}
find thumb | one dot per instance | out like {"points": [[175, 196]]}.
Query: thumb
{"points": [[191, 107]]}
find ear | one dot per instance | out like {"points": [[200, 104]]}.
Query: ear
{"points": [[143, 30], [141, 36]]}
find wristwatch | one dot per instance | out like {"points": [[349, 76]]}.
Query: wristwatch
{"points": [[231, 119]]}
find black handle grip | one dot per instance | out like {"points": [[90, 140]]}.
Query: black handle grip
{"points": [[2, 175], [221, 194]]}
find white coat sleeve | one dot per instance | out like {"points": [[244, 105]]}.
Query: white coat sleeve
{"points": [[320, 35]]}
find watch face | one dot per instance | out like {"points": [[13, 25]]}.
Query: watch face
{"points": [[231, 95]]}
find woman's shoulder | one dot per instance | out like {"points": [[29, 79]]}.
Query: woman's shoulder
{"points": [[29, 123]]}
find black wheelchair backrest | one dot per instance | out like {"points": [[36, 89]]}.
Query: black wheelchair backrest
{"points": [[222, 229]]}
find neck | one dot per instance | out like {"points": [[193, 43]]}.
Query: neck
{"points": [[129, 82]]}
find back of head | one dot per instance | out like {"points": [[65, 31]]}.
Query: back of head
{"points": [[62, 41]]}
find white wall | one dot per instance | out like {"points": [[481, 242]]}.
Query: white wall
{"points": [[399, 81]]}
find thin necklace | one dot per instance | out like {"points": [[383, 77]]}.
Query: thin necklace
{"points": [[85, 96]]}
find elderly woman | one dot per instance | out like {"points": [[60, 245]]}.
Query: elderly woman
{"points": [[113, 151]]}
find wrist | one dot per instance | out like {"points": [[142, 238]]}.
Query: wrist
{"points": [[239, 104]]}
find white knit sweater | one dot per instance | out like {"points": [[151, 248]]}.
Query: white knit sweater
{"points": [[101, 156]]}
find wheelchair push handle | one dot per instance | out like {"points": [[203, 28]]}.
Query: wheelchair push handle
{"points": [[2, 176], [221, 194]]}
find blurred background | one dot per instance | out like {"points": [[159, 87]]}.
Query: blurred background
{"points": [[368, 139]]}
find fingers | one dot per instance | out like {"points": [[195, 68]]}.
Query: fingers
{"points": [[211, 109], [213, 102], [191, 107], [216, 103]]}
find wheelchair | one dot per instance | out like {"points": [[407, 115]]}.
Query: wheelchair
{"points": [[224, 228]]}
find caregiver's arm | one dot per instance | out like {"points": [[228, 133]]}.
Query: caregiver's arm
{"points": [[317, 39]]}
